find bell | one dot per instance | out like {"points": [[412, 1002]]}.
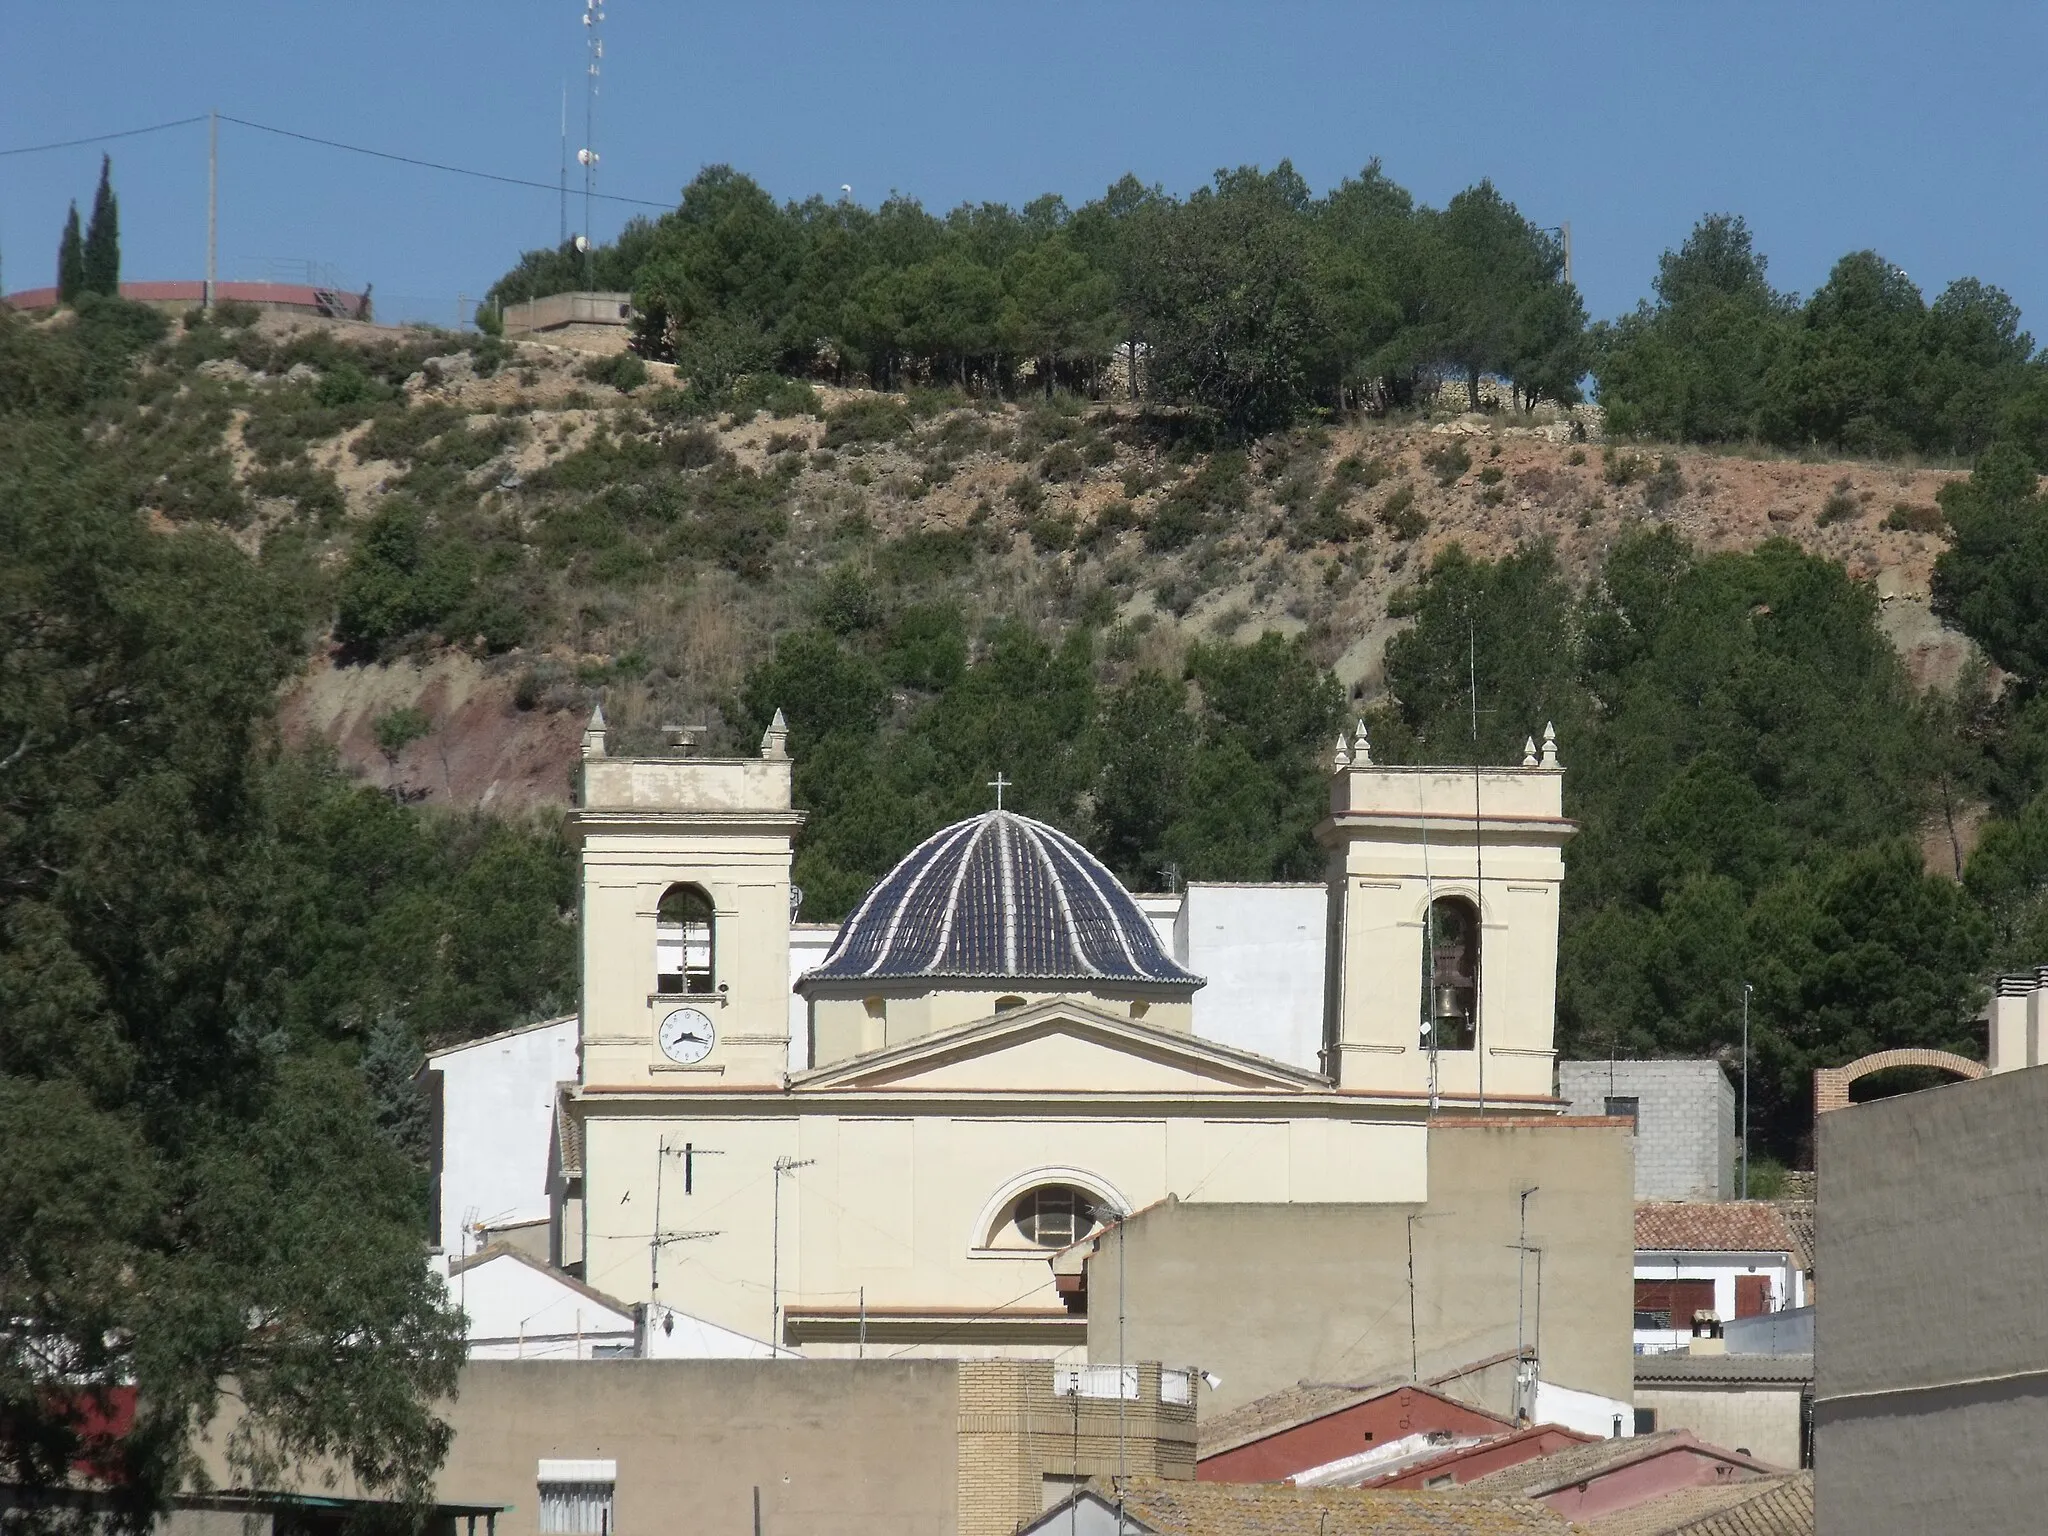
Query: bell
{"points": [[1448, 1009]]}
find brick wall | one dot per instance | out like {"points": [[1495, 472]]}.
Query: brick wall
{"points": [[1015, 1431], [1686, 1141]]}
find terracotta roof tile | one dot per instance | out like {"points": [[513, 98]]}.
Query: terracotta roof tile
{"points": [[1546, 1473], [1777, 1506], [1186, 1508], [1712, 1226], [1798, 1215]]}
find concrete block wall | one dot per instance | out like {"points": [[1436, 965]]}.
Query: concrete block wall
{"points": [[1685, 1123]]}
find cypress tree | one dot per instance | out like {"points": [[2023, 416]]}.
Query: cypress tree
{"points": [[70, 261], [102, 269]]}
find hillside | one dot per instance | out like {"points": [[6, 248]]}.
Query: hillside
{"points": [[1056, 512]]}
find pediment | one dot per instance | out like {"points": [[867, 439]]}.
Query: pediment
{"points": [[1060, 1046]]}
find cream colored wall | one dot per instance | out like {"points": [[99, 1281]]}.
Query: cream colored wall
{"points": [[644, 825], [1396, 835], [898, 1200], [845, 1027], [1763, 1420]]}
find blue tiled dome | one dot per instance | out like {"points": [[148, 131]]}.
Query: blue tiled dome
{"points": [[1004, 897]]}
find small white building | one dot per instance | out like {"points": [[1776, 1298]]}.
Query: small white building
{"points": [[519, 1308], [1721, 1259], [492, 1103]]}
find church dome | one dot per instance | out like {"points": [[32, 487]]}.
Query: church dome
{"points": [[1000, 896]]}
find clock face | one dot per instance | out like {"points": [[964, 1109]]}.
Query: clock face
{"points": [[687, 1036]]}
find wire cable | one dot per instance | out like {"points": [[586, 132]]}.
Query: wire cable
{"points": [[432, 165], [102, 138]]}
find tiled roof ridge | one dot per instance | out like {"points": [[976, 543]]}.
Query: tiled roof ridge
{"points": [[1712, 1226]]}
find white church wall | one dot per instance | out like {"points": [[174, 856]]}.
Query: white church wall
{"points": [[497, 1110], [1260, 947]]}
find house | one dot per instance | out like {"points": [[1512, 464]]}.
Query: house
{"points": [[1001, 1054], [1757, 1403], [1684, 1113], [1456, 1465], [1303, 1428], [1767, 1506], [522, 1308], [1930, 1358], [1151, 1507], [490, 1106], [902, 1447], [1603, 1478], [1724, 1259]]}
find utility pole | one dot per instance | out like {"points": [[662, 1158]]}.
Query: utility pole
{"points": [[1746, 990], [782, 1165], [562, 175], [1521, 1269], [212, 202], [593, 20]]}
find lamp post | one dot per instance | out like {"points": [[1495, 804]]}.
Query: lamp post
{"points": [[1747, 989]]}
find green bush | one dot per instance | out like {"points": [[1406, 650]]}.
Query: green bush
{"points": [[870, 419], [1062, 462], [1205, 500], [1400, 516], [1664, 485], [623, 371], [1905, 517], [315, 492], [401, 579], [1448, 462], [1619, 468]]}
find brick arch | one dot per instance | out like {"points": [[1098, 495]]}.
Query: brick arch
{"points": [[1831, 1084]]}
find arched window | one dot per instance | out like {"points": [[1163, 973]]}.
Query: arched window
{"points": [[1451, 974], [682, 941], [1054, 1215]]}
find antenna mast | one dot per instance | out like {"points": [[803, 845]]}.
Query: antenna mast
{"points": [[562, 176], [593, 21]]}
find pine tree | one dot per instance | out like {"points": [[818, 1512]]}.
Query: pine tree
{"points": [[102, 268], [70, 261]]}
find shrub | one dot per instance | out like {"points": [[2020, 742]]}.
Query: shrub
{"points": [[1493, 474], [1399, 515], [1053, 532], [234, 315], [1576, 456], [1904, 517], [1665, 484], [1212, 495], [1839, 507], [315, 492], [1062, 461], [1448, 462], [872, 419], [1619, 469], [623, 371], [1025, 494], [780, 397], [926, 555]]}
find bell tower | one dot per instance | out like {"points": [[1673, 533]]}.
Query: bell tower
{"points": [[685, 915], [1443, 882]]}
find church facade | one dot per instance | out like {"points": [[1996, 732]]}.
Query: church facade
{"points": [[999, 1048]]}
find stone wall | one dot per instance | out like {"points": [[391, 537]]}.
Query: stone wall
{"points": [[1686, 1143], [1760, 1419]]}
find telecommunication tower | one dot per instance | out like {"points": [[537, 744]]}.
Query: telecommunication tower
{"points": [[593, 25]]}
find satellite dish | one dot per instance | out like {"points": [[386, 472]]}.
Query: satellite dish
{"points": [[582, 243], [846, 189], [586, 157]]}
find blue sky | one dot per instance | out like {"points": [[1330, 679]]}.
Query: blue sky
{"points": [[1915, 129]]}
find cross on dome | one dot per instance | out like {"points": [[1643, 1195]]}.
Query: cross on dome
{"points": [[999, 784]]}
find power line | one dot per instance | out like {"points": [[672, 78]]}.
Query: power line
{"points": [[432, 165], [354, 149], [102, 138]]}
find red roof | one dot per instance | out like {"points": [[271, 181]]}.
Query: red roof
{"points": [[300, 295], [1712, 1226]]}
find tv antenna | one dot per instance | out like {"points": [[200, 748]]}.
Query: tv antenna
{"points": [[593, 23]]}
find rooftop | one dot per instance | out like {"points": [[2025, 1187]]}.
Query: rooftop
{"points": [[1303, 1403], [1547, 1474], [1678, 1366], [1180, 1508], [999, 897], [1773, 1506], [1712, 1226]]}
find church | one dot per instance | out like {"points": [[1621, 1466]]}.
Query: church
{"points": [[873, 1137]]}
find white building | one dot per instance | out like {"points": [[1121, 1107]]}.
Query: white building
{"points": [[1722, 1260]]}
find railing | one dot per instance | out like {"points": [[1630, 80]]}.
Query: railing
{"points": [[1099, 1381]]}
